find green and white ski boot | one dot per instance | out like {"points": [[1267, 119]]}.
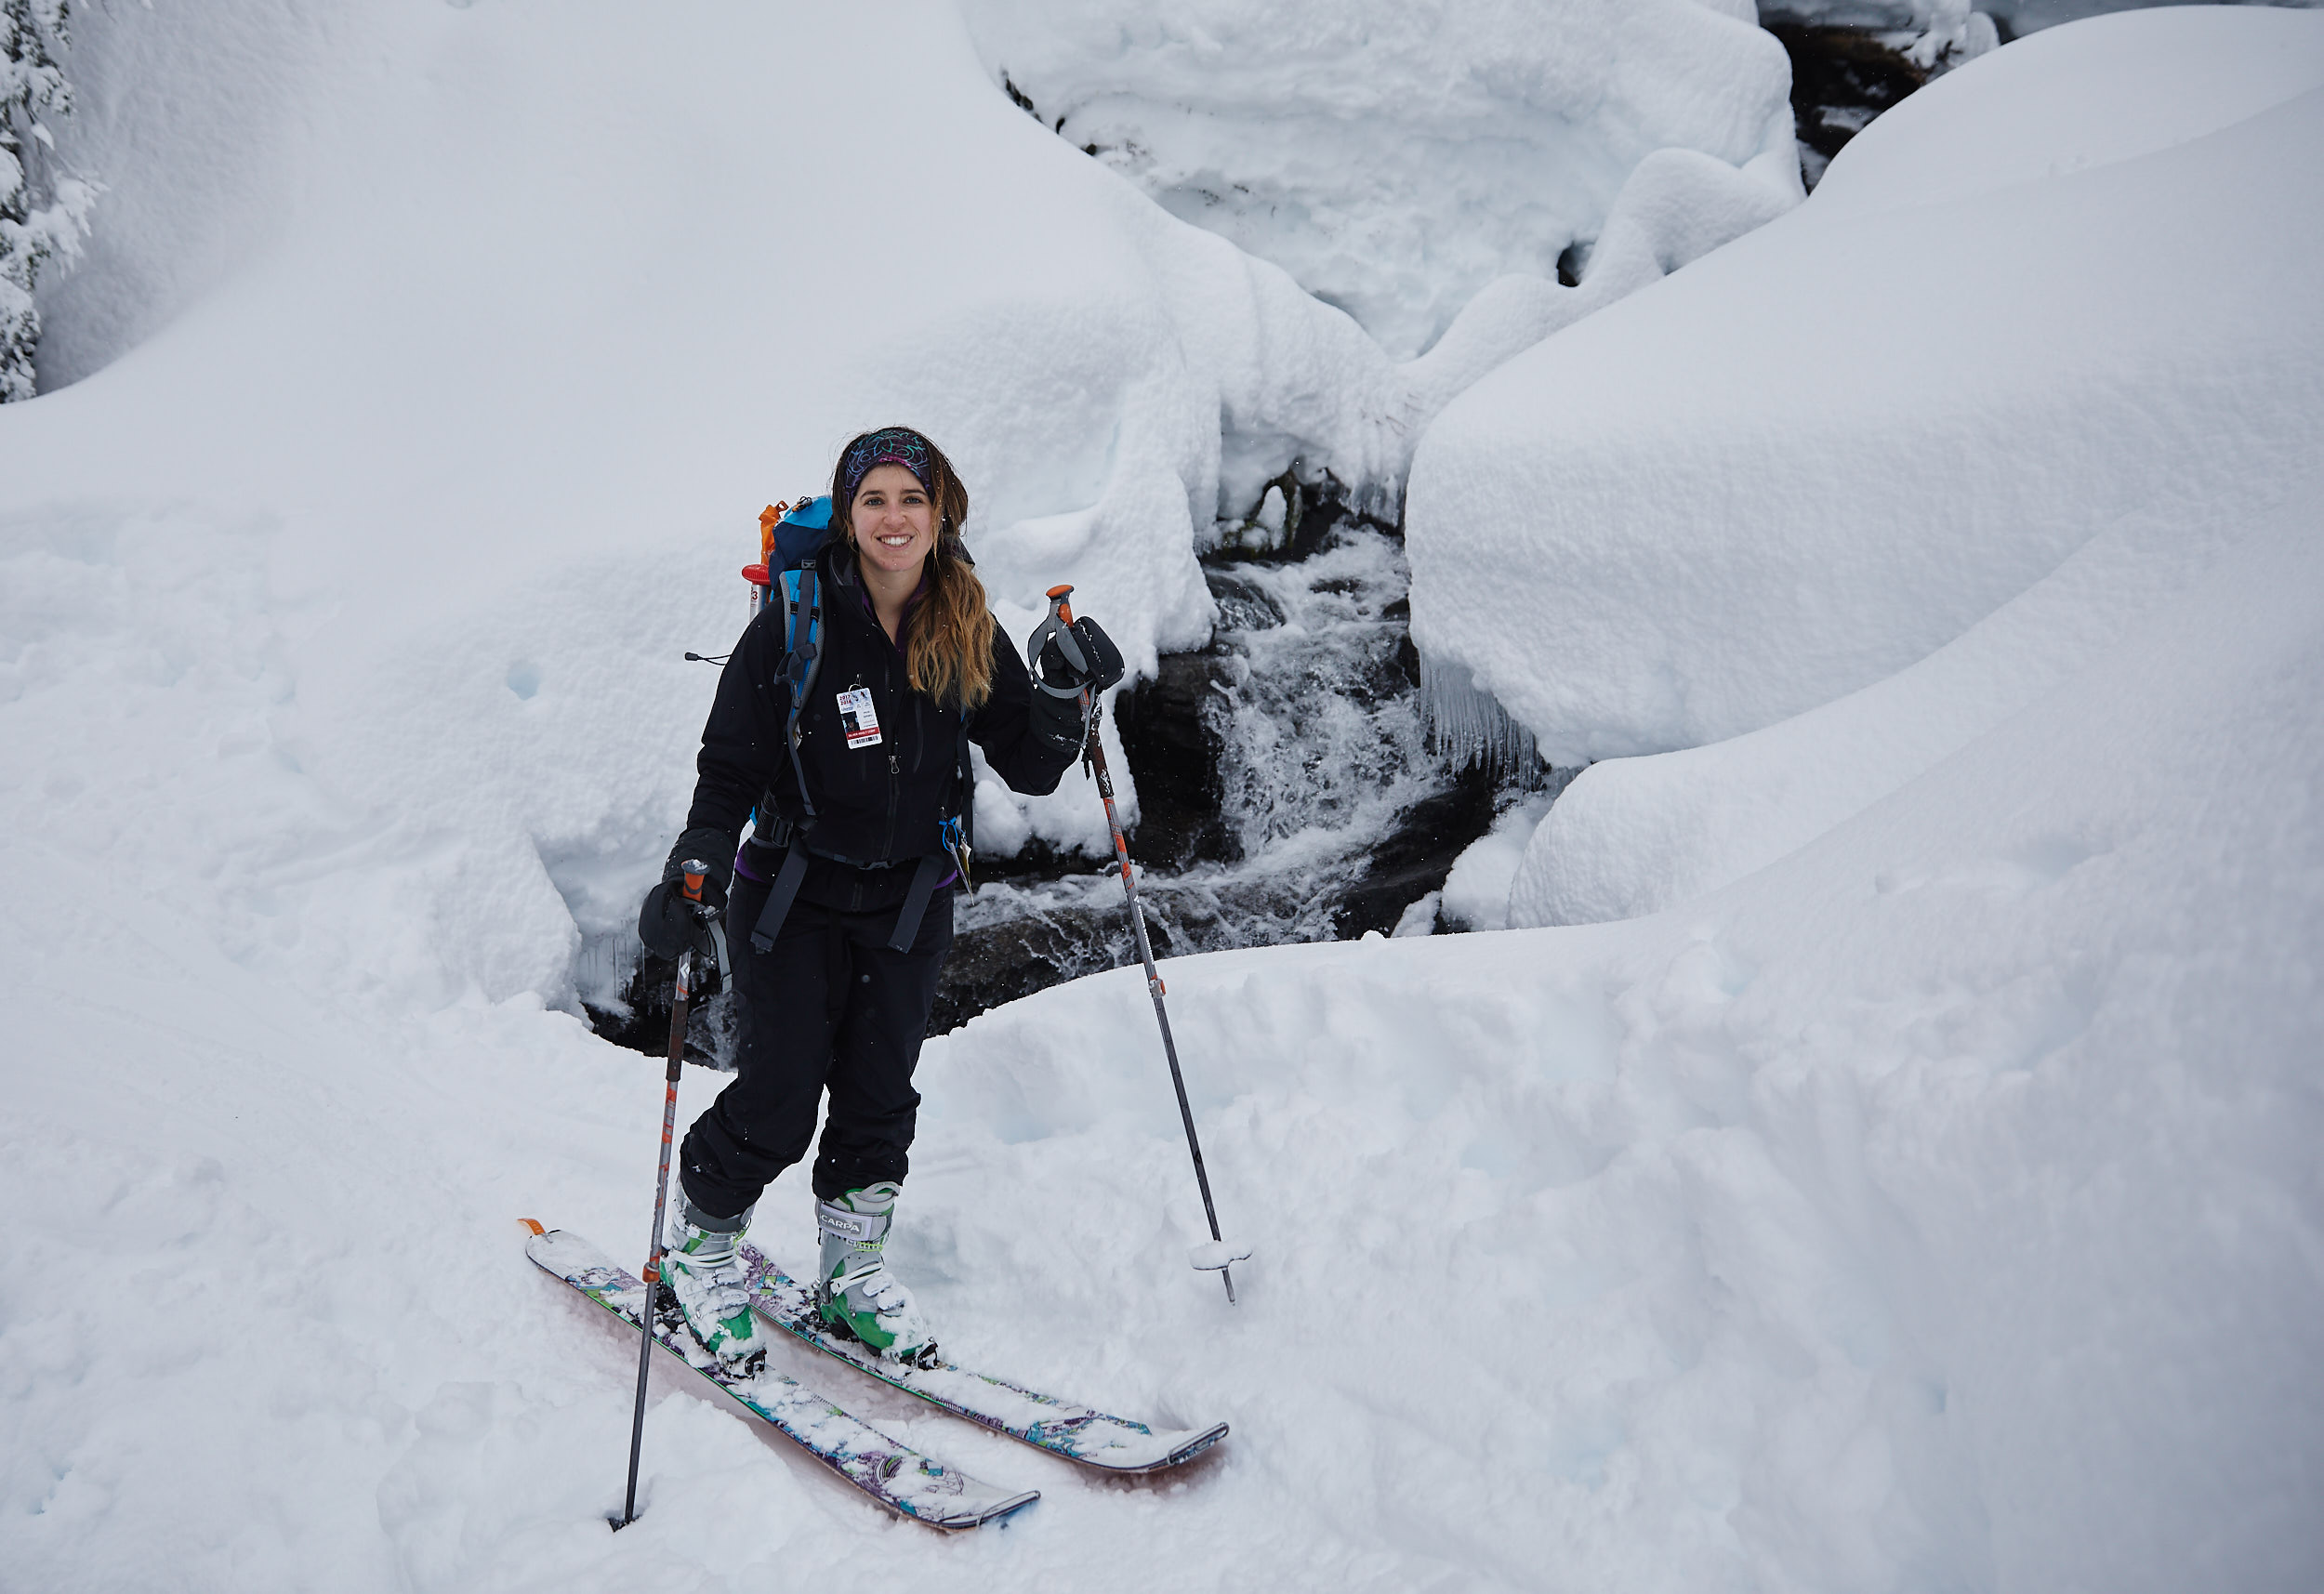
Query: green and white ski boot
{"points": [[858, 1296], [712, 1289]]}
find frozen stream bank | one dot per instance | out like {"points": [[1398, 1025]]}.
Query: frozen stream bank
{"points": [[1289, 788]]}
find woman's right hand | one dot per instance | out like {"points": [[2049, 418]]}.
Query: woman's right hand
{"points": [[673, 920]]}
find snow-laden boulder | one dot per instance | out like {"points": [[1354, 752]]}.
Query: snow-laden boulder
{"points": [[1394, 157], [2060, 302], [1632, 835]]}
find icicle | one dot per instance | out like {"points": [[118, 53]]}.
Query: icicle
{"points": [[1469, 726]]}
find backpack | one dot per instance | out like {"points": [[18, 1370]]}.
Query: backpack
{"points": [[793, 538]]}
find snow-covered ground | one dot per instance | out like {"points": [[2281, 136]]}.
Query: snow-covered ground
{"points": [[1933, 1207]]}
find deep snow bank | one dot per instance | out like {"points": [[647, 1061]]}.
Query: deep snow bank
{"points": [[484, 335], [1697, 513], [1395, 158], [1728, 500], [1633, 836]]}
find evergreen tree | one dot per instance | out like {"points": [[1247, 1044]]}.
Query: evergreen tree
{"points": [[42, 214]]}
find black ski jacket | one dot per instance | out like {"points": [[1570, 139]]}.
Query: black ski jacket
{"points": [[878, 802]]}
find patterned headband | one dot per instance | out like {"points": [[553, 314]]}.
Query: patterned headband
{"points": [[889, 445]]}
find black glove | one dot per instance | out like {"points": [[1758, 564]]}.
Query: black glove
{"points": [[1098, 666], [1059, 722], [670, 921]]}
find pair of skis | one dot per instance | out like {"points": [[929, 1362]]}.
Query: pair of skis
{"points": [[899, 1477]]}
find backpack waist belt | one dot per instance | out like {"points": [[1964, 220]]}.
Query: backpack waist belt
{"points": [[926, 872]]}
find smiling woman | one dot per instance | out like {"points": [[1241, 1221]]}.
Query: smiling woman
{"points": [[840, 920]]}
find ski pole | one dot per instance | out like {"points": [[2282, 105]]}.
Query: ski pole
{"points": [[661, 1206], [1217, 1254]]}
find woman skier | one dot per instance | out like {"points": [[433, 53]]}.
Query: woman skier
{"points": [[841, 914]]}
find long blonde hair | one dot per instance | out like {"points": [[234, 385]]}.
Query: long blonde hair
{"points": [[950, 654]]}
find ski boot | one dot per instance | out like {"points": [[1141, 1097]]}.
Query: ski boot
{"points": [[858, 1295], [705, 1276]]}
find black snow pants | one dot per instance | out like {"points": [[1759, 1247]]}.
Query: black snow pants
{"points": [[828, 1007]]}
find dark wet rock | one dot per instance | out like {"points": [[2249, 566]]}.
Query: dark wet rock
{"points": [[1172, 736], [1313, 510], [1413, 859], [1038, 861], [994, 963], [1572, 262], [1242, 605], [1841, 78], [642, 1022]]}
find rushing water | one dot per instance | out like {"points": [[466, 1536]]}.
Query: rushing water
{"points": [[1308, 699]]}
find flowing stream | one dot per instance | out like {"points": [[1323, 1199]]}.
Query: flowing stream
{"points": [[1286, 781]]}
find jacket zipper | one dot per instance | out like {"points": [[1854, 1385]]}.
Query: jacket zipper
{"points": [[887, 847]]}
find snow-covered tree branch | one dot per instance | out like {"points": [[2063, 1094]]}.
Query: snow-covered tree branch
{"points": [[43, 213]]}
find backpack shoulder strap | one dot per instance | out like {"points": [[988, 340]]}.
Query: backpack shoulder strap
{"points": [[802, 641], [957, 830]]}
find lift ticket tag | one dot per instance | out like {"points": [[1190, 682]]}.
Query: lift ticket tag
{"points": [[859, 717]]}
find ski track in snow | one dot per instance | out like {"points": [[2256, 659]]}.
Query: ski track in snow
{"points": [[1933, 1207]]}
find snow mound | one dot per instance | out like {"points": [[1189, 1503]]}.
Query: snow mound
{"points": [[1824, 452], [1633, 836], [1636, 835], [2058, 105], [1937, 1209], [1395, 158]]}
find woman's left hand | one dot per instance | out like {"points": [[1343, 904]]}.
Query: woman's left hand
{"points": [[1100, 665]]}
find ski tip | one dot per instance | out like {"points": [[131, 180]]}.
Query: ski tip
{"points": [[988, 1514], [1183, 1447], [532, 1226], [1201, 1441]]}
